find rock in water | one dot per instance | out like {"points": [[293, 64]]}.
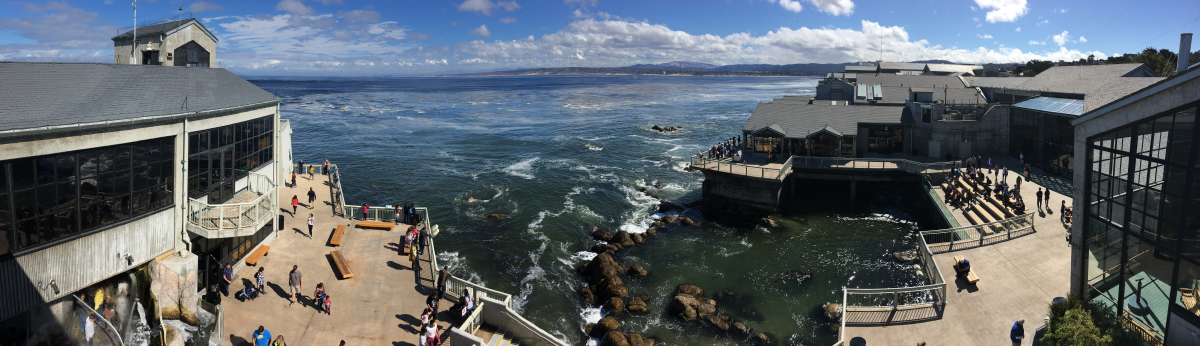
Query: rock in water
{"points": [[495, 217], [637, 271], [706, 307], [635, 339], [637, 238], [471, 200], [614, 338], [741, 328], [622, 237], [651, 231], [833, 311], [690, 290], [905, 256], [615, 306], [658, 224], [768, 222], [636, 305], [761, 339], [586, 295], [656, 128], [684, 306], [687, 221], [670, 218], [601, 235], [606, 324]]}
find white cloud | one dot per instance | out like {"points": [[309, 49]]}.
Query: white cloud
{"points": [[294, 7], [580, 3], [834, 7], [61, 32], [1061, 39], [1082, 40], [508, 20], [418, 36], [486, 7], [1035, 43], [1044, 22], [481, 31], [1003, 10], [790, 5], [1018, 29], [360, 16], [1062, 11], [201, 6], [984, 36], [579, 14]]}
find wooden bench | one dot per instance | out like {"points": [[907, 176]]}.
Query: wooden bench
{"points": [[971, 277], [376, 224], [257, 255], [336, 239], [343, 268]]}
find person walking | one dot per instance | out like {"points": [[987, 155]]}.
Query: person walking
{"points": [[431, 302], [441, 281], [260, 279], [227, 277], [89, 331], [1018, 332], [262, 337], [293, 179], [295, 203], [312, 198], [1038, 197], [1004, 175], [279, 341], [310, 172], [1047, 195], [424, 322], [1062, 212], [310, 224], [296, 282], [989, 165]]}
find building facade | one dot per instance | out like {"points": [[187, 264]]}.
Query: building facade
{"points": [[1137, 209], [182, 43], [94, 186]]}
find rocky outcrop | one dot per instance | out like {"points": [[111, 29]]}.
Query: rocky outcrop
{"points": [[669, 219], [637, 238], [684, 307], [622, 238], [615, 306], [637, 271], [686, 221], [666, 128], [689, 290], [603, 276], [769, 221], [495, 217], [614, 338], [605, 325], [601, 235], [761, 339], [586, 295], [636, 305], [173, 285], [741, 328]]}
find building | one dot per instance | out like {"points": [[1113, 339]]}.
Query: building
{"points": [[1136, 248], [106, 167], [184, 43], [952, 70], [826, 128]]}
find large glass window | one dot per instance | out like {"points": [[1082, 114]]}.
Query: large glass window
{"points": [[218, 157], [49, 198], [1047, 140], [1188, 286]]}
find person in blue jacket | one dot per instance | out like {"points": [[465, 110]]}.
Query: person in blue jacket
{"points": [[1018, 332], [262, 337]]}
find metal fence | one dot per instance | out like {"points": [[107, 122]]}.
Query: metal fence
{"points": [[941, 205], [978, 235], [935, 171], [234, 217]]}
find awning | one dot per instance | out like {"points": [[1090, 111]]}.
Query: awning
{"points": [[1052, 105]]}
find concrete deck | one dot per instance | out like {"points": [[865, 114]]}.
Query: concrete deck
{"points": [[380, 305], [1018, 279]]}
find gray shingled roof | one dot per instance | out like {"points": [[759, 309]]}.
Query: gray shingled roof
{"points": [[951, 68], [34, 94], [157, 29], [907, 66], [1100, 84], [910, 81], [997, 82], [956, 96], [860, 68], [798, 121]]}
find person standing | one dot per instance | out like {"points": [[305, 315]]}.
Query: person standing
{"points": [[366, 208], [1062, 212], [300, 167], [312, 198], [990, 164], [262, 337], [1004, 175], [441, 281], [227, 277], [424, 233], [310, 172], [397, 217], [295, 203], [89, 331], [260, 278], [1022, 157], [310, 224], [296, 282], [431, 302], [325, 168], [1047, 195], [1018, 332], [293, 179], [1038, 197]]}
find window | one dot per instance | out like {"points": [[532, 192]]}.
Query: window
{"points": [[222, 155], [49, 198], [926, 114]]}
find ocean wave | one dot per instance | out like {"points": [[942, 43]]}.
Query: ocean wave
{"points": [[593, 147], [523, 169]]}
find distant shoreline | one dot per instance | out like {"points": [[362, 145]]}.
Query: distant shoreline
{"points": [[608, 74]]}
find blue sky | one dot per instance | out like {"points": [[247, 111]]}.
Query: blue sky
{"points": [[350, 37]]}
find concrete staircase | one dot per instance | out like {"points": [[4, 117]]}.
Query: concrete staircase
{"points": [[985, 208], [501, 338]]}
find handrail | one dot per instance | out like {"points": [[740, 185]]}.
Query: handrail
{"points": [[975, 235], [238, 216], [920, 168], [946, 214]]}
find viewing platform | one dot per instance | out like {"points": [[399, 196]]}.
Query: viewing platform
{"points": [[759, 167], [383, 301]]}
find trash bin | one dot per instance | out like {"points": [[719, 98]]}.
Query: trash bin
{"points": [[280, 222]]}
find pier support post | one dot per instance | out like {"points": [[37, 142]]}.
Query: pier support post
{"points": [[853, 187]]}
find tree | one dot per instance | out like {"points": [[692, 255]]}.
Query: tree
{"points": [[1034, 67]]}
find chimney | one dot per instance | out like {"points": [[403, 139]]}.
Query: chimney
{"points": [[1185, 52]]}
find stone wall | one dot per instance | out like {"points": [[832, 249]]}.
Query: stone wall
{"points": [[173, 287], [753, 192]]}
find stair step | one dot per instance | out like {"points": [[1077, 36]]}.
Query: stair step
{"points": [[496, 339]]}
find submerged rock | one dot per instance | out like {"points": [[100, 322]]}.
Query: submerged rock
{"points": [[833, 310], [665, 128], [658, 224], [761, 339], [906, 256], [614, 338], [615, 306], [670, 218], [689, 290], [769, 221], [636, 305], [687, 221], [495, 217], [606, 324]]}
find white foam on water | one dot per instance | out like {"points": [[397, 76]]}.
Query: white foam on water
{"points": [[593, 147], [637, 219], [591, 315], [523, 169], [455, 262], [582, 256]]}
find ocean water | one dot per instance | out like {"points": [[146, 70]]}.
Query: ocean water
{"points": [[558, 154]]}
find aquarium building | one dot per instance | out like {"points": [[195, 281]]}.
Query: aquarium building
{"points": [[1136, 243], [106, 167]]}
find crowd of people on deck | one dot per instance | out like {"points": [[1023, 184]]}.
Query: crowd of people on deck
{"points": [[722, 150]]}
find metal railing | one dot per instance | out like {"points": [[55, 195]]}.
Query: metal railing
{"points": [[234, 217], [937, 200], [737, 168], [958, 238]]}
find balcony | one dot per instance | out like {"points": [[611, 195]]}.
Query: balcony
{"points": [[248, 211]]}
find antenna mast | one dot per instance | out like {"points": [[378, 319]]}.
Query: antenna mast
{"points": [[133, 54]]}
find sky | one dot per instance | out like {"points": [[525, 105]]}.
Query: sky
{"points": [[413, 37]]}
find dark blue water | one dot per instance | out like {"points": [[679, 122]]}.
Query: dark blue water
{"points": [[561, 153]]}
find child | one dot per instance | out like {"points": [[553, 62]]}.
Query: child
{"points": [[320, 295]]}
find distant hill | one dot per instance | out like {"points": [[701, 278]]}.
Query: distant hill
{"points": [[681, 64]]}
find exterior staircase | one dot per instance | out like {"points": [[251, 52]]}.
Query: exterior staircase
{"points": [[501, 338]]}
